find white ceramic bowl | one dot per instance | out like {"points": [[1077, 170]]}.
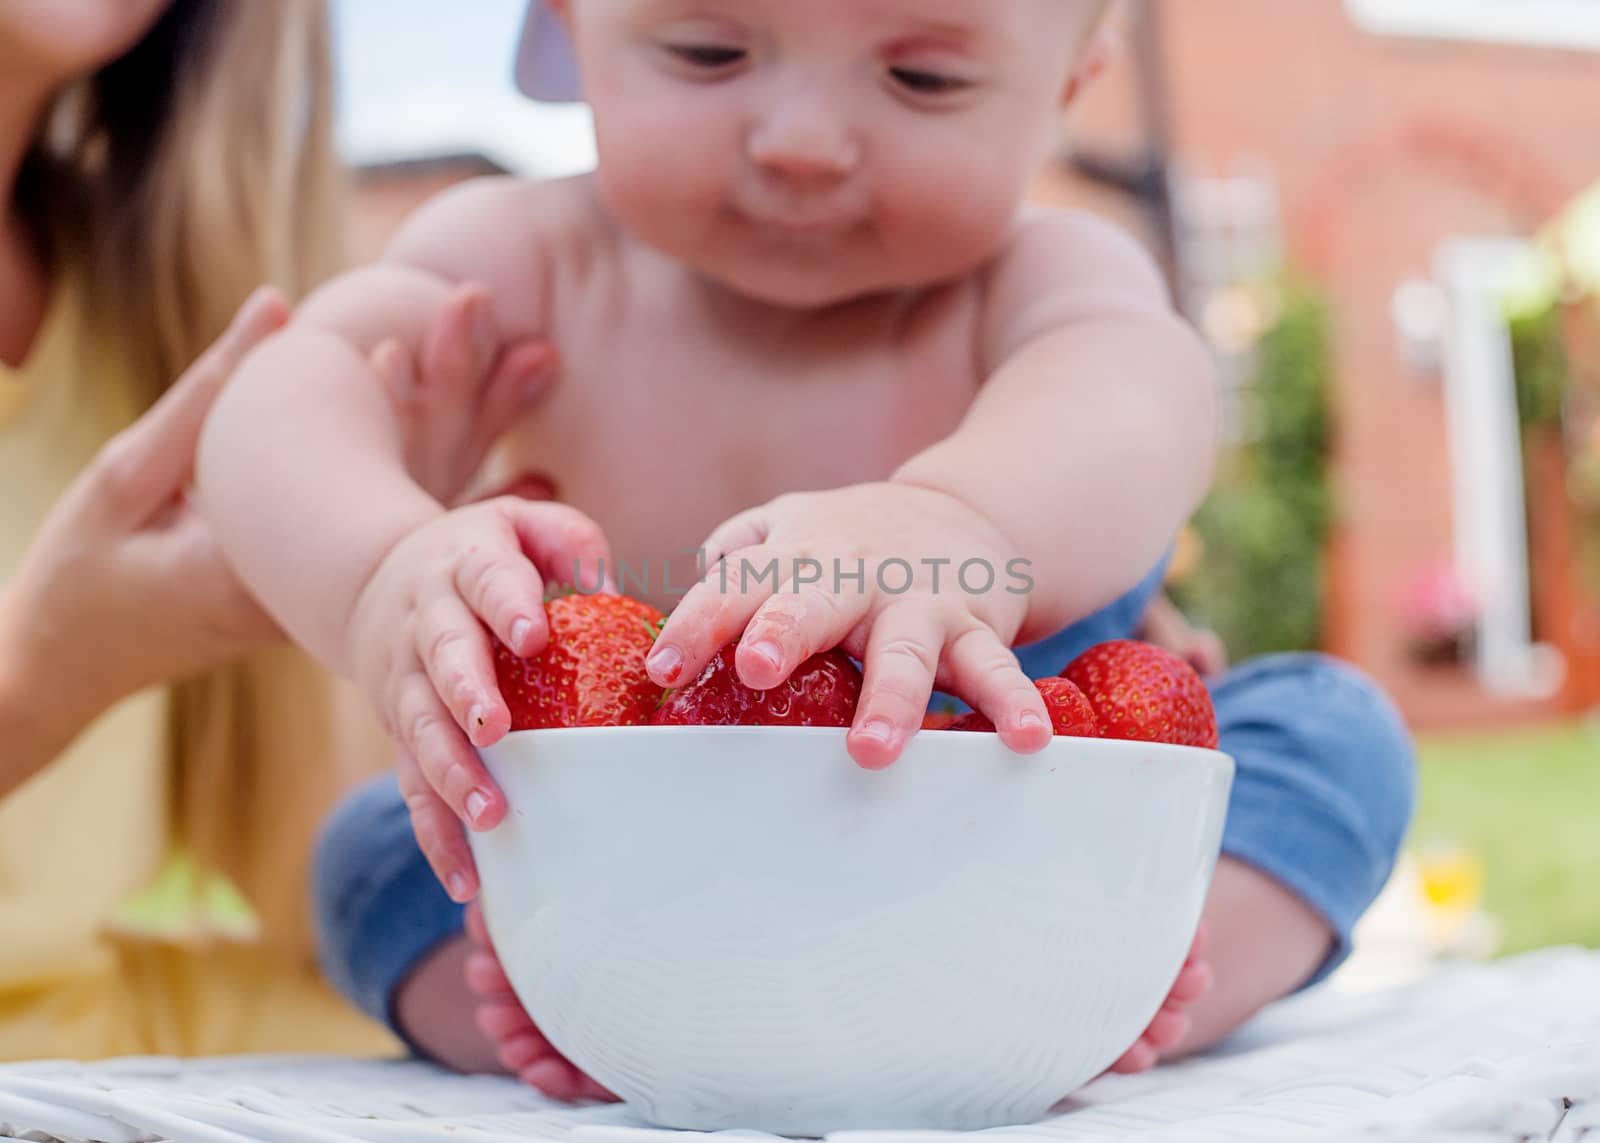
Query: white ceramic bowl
{"points": [[737, 927]]}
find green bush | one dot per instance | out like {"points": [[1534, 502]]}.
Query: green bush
{"points": [[1539, 358], [1259, 583], [1547, 400]]}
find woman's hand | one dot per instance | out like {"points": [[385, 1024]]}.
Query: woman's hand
{"points": [[124, 586]]}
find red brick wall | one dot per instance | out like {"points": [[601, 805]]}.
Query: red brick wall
{"points": [[1381, 149]]}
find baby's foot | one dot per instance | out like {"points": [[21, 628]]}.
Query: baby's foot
{"points": [[520, 1046], [1170, 1024]]}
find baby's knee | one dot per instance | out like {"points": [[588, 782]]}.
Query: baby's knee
{"points": [[1325, 782], [1332, 734]]}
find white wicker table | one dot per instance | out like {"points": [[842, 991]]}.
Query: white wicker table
{"points": [[1504, 1052]]}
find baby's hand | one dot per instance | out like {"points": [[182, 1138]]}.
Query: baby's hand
{"points": [[914, 583], [422, 655]]}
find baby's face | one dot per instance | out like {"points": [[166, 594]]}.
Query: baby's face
{"points": [[805, 152]]}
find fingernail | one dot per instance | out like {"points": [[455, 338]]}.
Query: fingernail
{"points": [[1028, 719], [667, 662], [458, 886], [519, 633], [769, 653], [879, 731], [477, 806], [475, 716]]}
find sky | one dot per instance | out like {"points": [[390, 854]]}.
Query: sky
{"points": [[419, 78]]}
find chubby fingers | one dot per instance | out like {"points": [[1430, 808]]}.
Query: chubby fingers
{"points": [[523, 372], [898, 670], [713, 614], [456, 395], [566, 546], [985, 672], [425, 730], [501, 579], [795, 623], [740, 575], [459, 663], [748, 530], [437, 831], [913, 645], [497, 583]]}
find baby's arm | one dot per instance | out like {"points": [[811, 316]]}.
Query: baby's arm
{"points": [[302, 473], [1089, 444], [1093, 438], [301, 467]]}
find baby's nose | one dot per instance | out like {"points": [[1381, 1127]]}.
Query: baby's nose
{"points": [[801, 138]]}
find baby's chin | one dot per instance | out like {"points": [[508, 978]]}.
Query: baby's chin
{"points": [[811, 288]]}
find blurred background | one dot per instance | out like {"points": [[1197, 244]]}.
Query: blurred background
{"points": [[1385, 217]]}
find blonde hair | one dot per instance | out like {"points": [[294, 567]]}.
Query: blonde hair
{"points": [[164, 188]]}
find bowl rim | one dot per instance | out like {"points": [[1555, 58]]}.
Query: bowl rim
{"points": [[1107, 746]]}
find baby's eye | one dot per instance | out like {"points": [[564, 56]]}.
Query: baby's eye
{"points": [[707, 57], [927, 82]]}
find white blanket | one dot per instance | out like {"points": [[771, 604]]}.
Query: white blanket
{"points": [[1504, 1052]]}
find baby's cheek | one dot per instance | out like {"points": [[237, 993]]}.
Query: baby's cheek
{"points": [[956, 224], [661, 186]]}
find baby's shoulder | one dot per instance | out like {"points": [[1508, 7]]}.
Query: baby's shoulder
{"points": [[504, 219], [1059, 266], [1066, 236]]}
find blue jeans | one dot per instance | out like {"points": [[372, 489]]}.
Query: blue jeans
{"points": [[1322, 796]]}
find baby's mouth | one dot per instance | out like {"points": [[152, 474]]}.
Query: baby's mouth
{"points": [[799, 221]]}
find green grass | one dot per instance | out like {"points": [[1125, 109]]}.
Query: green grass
{"points": [[1528, 803]]}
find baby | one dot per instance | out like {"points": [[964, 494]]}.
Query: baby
{"points": [[804, 319]]}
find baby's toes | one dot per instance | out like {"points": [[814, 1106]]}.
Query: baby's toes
{"points": [[502, 1019], [1193, 982], [553, 1074], [1139, 1058], [486, 977], [1167, 1028], [523, 1050], [557, 1078]]}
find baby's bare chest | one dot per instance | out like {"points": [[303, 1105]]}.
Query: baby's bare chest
{"points": [[661, 429]]}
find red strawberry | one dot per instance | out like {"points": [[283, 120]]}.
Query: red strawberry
{"points": [[1142, 692], [940, 720], [823, 691], [591, 672], [1071, 716]]}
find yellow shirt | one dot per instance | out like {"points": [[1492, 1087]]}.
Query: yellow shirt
{"points": [[93, 830]]}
